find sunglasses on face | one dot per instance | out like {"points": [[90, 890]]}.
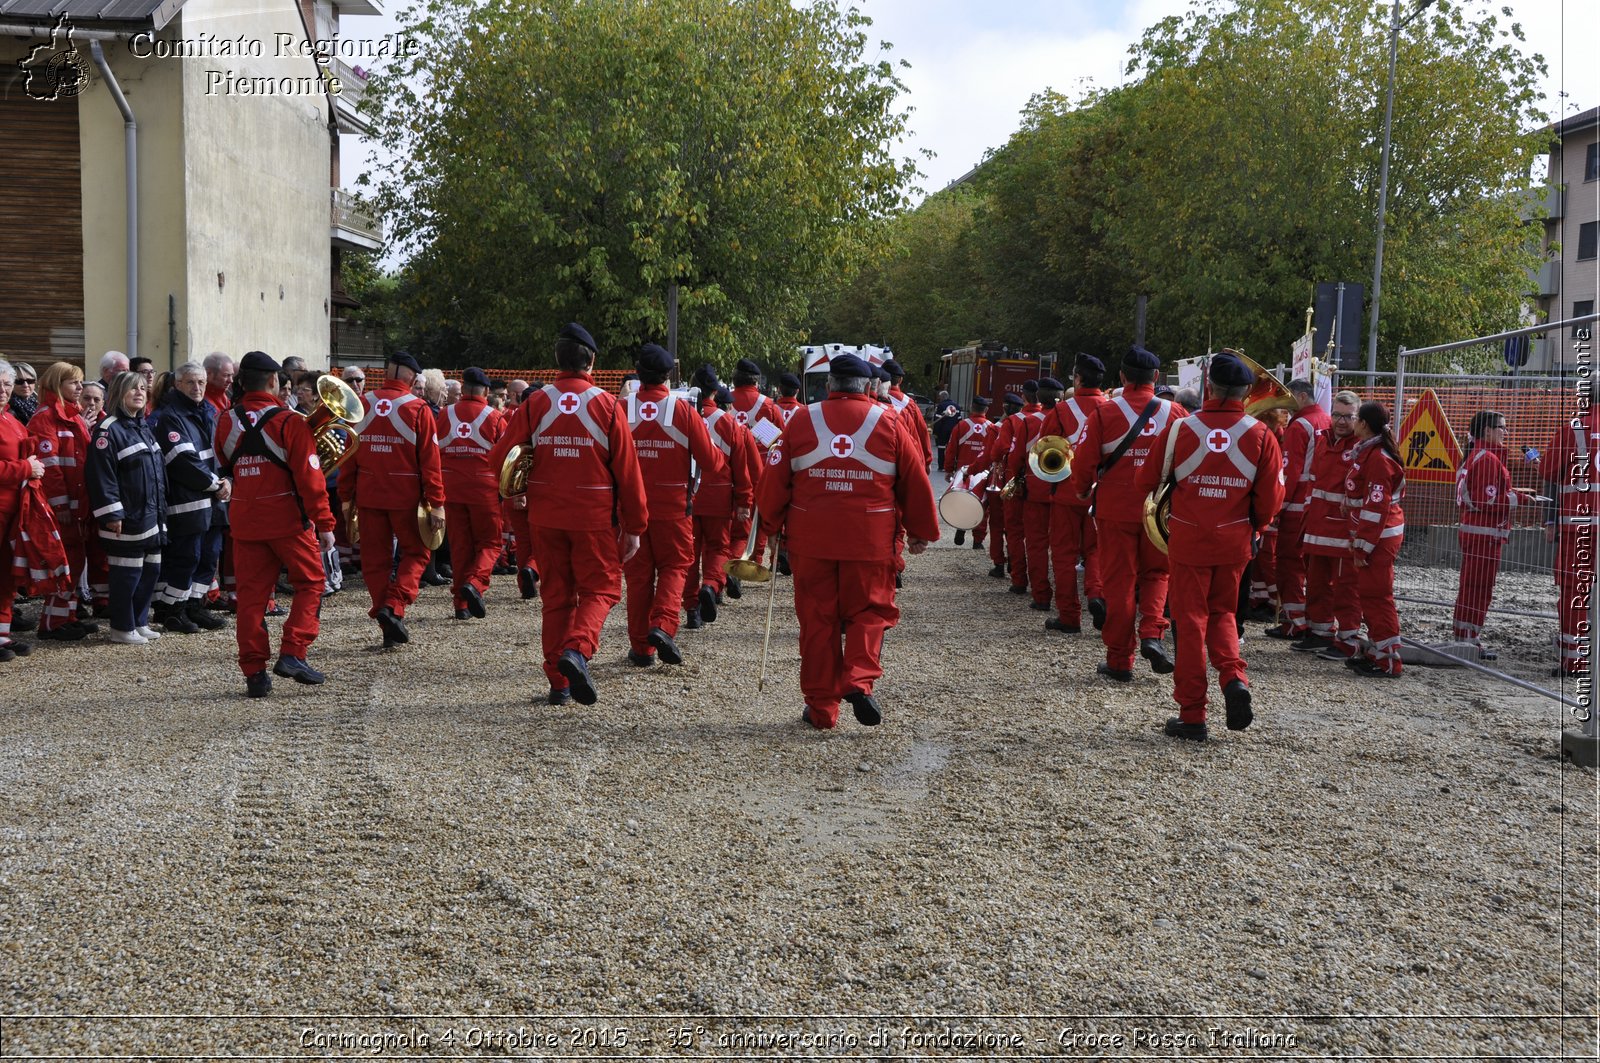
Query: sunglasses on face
{"points": [[24, 381]]}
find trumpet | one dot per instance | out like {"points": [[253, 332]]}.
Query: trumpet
{"points": [[514, 471], [1050, 458], [333, 421]]}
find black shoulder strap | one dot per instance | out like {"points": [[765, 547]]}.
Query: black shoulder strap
{"points": [[253, 443], [1133, 433]]}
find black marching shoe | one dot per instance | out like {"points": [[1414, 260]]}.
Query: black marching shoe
{"points": [[897, 581], [1097, 613], [7, 654], [1155, 652], [977, 544], [1189, 732], [1017, 588], [1039, 607], [277, 610], [576, 669], [558, 696], [528, 583], [88, 627], [202, 617], [258, 685], [961, 536], [1062, 626], [1367, 666], [394, 629], [173, 618], [665, 646], [640, 660], [735, 588], [866, 708], [19, 649], [1279, 631], [1237, 697], [708, 603], [783, 564], [1311, 644], [692, 621], [23, 623], [1113, 673], [998, 571], [64, 633], [462, 614], [297, 669], [474, 600]]}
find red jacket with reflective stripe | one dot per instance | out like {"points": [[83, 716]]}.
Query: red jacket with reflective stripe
{"points": [[734, 485], [263, 504], [1299, 441], [1327, 531], [1070, 418], [750, 406], [1373, 489], [787, 407], [397, 466], [585, 474], [16, 445], [61, 440], [1568, 464], [968, 444], [1483, 491], [911, 413], [837, 492], [1118, 496], [468, 431], [664, 450]]}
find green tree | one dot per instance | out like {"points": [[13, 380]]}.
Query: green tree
{"points": [[569, 159]]}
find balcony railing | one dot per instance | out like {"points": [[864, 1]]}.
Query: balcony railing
{"points": [[355, 223], [352, 90]]}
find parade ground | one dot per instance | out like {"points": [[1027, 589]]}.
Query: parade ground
{"points": [[421, 858]]}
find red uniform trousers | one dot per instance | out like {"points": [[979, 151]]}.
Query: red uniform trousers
{"points": [[1072, 535], [259, 564], [62, 609], [517, 544], [8, 573], [1204, 601], [1264, 570], [1331, 610], [1575, 563], [341, 533], [982, 529], [657, 574], [994, 519], [1036, 519], [1129, 561], [1375, 585], [98, 566], [1480, 566], [474, 545], [1293, 567], [1016, 549], [827, 594], [580, 576], [712, 541], [379, 527]]}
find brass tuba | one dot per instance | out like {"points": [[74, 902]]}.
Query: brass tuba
{"points": [[514, 471], [332, 422], [1050, 458], [1268, 392]]}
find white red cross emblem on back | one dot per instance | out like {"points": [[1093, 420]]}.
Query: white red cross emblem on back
{"points": [[843, 446], [463, 430], [1217, 441], [568, 403], [648, 410], [382, 407]]}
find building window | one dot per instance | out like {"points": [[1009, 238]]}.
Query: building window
{"points": [[1586, 240], [1583, 308], [1591, 162]]}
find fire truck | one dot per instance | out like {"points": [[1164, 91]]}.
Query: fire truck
{"points": [[985, 367]]}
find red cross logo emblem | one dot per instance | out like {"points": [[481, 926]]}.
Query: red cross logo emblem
{"points": [[1217, 441], [743, 418], [648, 410], [1149, 428], [254, 416], [843, 446], [382, 407], [569, 403], [463, 430]]}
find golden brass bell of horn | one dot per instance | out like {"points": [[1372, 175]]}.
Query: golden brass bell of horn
{"points": [[1050, 458], [332, 422], [745, 568]]}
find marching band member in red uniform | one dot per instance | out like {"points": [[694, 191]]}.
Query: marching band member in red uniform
{"points": [[969, 442], [1487, 505], [586, 508], [844, 465], [18, 465], [1116, 444], [1072, 532], [467, 433], [61, 441], [281, 520], [1227, 475], [1568, 465], [1012, 429], [909, 411], [788, 400], [1373, 490], [668, 436], [994, 505], [216, 552], [750, 408], [1298, 442], [1333, 615], [396, 468], [1036, 501], [725, 499]]}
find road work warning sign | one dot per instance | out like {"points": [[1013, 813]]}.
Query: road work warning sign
{"points": [[1426, 443]]}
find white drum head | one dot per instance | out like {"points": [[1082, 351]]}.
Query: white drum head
{"points": [[961, 509]]}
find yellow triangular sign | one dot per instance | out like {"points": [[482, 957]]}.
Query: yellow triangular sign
{"points": [[1427, 445]]}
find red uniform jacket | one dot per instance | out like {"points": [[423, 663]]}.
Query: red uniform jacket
{"points": [[1227, 472], [838, 480], [467, 433], [1568, 463], [750, 407], [734, 485], [1483, 492], [667, 433], [397, 466], [1011, 426], [787, 405], [1118, 496], [16, 446], [61, 440], [219, 400], [1299, 440], [1034, 489], [1373, 489], [969, 444], [585, 474], [1070, 419], [1327, 531], [264, 504], [912, 414]]}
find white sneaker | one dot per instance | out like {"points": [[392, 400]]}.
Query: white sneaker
{"points": [[150, 634], [127, 638]]}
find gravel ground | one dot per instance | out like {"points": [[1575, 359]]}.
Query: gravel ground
{"points": [[1017, 862]]}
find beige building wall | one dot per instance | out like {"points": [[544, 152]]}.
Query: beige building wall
{"points": [[1580, 280]]}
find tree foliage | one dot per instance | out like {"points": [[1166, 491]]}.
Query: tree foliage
{"points": [[569, 159]]}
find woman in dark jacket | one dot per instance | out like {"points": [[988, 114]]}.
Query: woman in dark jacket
{"points": [[127, 497], [184, 426]]}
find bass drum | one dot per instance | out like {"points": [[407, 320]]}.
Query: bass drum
{"points": [[961, 509]]}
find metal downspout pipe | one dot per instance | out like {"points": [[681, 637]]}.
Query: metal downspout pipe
{"points": [[131, 152]]}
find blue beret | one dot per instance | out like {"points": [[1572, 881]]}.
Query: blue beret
{"points": [[1165, 391], [1013, 399], [1139, 358], [980, 401], [1050, 383], [893, 368], [261, 362], [724, 397], [578, 334], [1088, 363], [653, 358], [474, 377], [1228, 372], [880, 373], [705, 378], [789, 380], [403, 358], [1030, 387], [745, 365], [848, 365]]}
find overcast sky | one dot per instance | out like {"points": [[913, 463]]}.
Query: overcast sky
{"points": [[975, 63]]}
